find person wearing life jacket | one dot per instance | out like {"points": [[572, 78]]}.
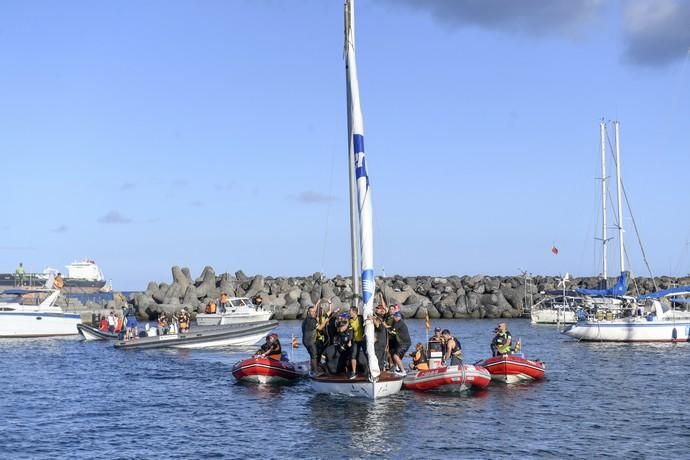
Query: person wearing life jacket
{"points": [[453, 349], [322, 332], [104, 324], [271, 348], [357, 327], [58, 282], [211, 308], [183, 318], [500, 345], [419, 359], [162, 323], [224, 302]]}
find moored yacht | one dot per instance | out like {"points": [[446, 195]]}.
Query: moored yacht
{"points": [[33, 313], [238, 310]]}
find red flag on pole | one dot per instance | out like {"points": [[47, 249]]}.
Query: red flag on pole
{"points": [[554, 249]]}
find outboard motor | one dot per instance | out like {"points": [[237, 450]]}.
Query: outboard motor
{"points": [[435, 350]]}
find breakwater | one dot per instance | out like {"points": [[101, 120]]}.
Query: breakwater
{"points": [[477, 296]]}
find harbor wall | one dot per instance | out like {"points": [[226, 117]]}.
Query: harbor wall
{"points": [[456, 296]]}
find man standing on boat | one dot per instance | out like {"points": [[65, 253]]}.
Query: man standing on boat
{"points": [[500, 345], [401, 340], [309, 337], [19, 275]]}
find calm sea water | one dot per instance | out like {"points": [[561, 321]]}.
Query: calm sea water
{"points": [[63, 398]]}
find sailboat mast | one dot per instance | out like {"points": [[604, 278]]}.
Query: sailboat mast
{"points": [[616, 125], [356, 131], [604, 239], [354, 234]]}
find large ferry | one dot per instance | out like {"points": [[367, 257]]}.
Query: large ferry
{"points": [[82, 276]]}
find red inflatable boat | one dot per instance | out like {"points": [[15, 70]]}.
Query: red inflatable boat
{"points": [[514, 368], [267, 370]]}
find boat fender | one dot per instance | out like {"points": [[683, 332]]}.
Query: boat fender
{"points": [[674, 334]]}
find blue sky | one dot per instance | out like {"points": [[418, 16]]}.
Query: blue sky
{"points": [[151, 134]]}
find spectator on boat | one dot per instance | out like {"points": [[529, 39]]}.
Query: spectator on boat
{"points": [[309, 337], [453, 353], [401, 342], [211, 307], [112, 322], [104, 324], [19, 274], [357, 327], [380, 339], [131, 324], [258, 301], [419, 359], [183, 318], [224, 302], [162, 323], [500, 345], [58, 282], [324, 333], [437, 338], [271, 349], [338, 353]]}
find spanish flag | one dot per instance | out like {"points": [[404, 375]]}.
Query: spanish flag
{"points": [[518, 345], [427, 323], [295, 343]]}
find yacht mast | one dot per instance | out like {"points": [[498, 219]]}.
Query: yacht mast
{"points": [[616, 125], [354, 212], [604, 239]]}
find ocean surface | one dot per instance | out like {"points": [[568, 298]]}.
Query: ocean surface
{"points": [[63, 398]]}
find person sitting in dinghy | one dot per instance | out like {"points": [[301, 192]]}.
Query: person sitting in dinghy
{"points": [[419, 360], [500, 345], [271, 349]]}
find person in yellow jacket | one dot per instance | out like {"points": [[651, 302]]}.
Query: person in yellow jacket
{"points": [[500, 345], [357, 326]]}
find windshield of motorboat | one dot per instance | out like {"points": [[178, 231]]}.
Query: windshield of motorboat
{"points": [[237, 302], [11, 298]]}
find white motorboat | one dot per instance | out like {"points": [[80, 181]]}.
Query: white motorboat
{"points": [[240, 310], [555, 310], [33, 313]]}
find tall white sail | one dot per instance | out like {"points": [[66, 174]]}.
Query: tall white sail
{"points": [[356, 146]]}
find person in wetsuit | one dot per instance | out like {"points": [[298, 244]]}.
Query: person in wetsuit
{"points": [[339, 351], [453, 354], [309, 337], [401, 342]]}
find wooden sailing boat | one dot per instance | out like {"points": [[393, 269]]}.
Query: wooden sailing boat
{"points": [[376, 384]]}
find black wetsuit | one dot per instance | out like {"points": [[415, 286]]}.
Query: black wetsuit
{"points": [[402, 338], [309, 336], [339, 352]]}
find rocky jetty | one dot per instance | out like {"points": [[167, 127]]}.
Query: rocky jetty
{"points": [[478, 296]]}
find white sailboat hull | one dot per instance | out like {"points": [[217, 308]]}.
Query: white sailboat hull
{"points": [[553, 316], [38, 324], [630, 330], [359, 388]]}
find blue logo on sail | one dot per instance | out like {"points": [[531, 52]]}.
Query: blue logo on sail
{"points": [[360, 161], [368, 285]]}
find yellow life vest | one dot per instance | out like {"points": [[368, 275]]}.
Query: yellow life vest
{"points": [[357, 329]]}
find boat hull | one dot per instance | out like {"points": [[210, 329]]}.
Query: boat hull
{"points": [[38, 324], [219, 336], [514, 369], [269, 371], [387, 385], [551, 316], [92, 333], [451, 379], [203, 319], [633, 330]]}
